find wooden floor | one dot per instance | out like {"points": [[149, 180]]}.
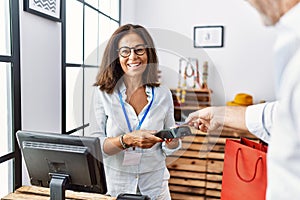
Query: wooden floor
{"points": [[196, 169]]}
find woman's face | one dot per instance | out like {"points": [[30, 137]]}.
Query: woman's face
{"points": [[132, 55]]}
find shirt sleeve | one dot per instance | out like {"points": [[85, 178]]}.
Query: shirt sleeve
{"points": [[97, 119], [170, 122], [259, 119], [169, 118]]}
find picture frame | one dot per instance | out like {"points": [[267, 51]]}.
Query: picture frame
{"points": [[208, 36], [50, 9]]}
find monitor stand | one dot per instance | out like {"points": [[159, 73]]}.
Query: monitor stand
{"points": [[58, 186]]}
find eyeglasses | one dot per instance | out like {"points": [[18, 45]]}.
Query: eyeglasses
{"points": [[138, 50]]}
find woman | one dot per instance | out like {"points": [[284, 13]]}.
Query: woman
{"points": [[130, 106]]}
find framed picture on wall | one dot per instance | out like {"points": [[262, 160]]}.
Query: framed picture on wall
{"points": [[50, 9], [208, 36]]}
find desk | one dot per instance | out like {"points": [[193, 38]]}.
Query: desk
{"points": [[41, 193]]}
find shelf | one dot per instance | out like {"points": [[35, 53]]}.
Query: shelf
{"points": [[195, 99]]}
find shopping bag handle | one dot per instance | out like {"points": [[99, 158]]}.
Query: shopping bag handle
{"points": [[237, 171]]}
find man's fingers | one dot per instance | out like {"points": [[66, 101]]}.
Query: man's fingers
{"points": [[192, 116]]}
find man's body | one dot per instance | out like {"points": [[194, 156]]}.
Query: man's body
{"points": [[277, 123]]}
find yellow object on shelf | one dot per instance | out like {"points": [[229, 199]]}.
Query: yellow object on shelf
{"points": [[241, 99]]}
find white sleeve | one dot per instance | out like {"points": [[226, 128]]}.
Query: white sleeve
{"points": [[259, 119], [169, 118], [97, 119], [170, 122]]}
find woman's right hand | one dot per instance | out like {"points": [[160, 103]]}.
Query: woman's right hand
{"points": [[141, 138]]}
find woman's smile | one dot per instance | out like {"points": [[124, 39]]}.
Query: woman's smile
{"points": [[134, 65]]}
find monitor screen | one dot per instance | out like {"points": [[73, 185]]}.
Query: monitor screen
{"points": [[78, 158]]}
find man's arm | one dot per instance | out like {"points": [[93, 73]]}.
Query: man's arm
{"points": [[211, 118], [258, 119]]}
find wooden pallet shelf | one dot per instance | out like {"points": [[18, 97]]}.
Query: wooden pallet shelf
{"points": [[196, 169]]}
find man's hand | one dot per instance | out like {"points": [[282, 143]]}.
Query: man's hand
{"points": [[211, 118], [206, 119]]}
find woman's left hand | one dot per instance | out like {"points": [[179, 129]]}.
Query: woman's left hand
{"points": [[141, 138]]}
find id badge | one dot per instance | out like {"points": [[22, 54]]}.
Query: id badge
{"points": [[132, 158]]}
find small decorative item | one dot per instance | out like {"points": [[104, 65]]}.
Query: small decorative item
{"points": [[50, 9], [204, 75], [180, 91], [193, 62], [189, 67], [208, 36]]}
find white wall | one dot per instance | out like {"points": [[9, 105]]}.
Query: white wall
{"points": [[244, 64], [40, 41]]}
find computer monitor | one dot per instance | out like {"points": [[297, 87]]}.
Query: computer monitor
{"points": [[62, 162]]}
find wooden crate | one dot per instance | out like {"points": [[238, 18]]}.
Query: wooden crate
{"points": [[196, 169]]}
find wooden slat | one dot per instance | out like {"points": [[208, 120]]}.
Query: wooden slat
{"points": [[187, 182], [193, 95], [214, 177], [195, 103], [187, 190], [216, 147], [178, 196], [213, 194], [212, 198], [215, 156], [196, 165], [189, 174], [191, 146], [213, 185], [195, 138], [214, 166], [188, 153], [216, 140]]}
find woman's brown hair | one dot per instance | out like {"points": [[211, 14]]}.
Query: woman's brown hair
{"points": [[110, 71]]}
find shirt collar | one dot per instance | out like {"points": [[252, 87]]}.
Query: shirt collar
{"points": [[122, 88], [291, 19]]}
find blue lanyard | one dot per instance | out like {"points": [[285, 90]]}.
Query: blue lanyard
{"points": [[144, 116]]}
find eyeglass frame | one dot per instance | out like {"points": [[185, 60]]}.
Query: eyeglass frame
{"points": [[134, 50]]}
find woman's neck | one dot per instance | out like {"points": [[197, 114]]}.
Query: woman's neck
{"points": [[135, 92], [133, 83]]}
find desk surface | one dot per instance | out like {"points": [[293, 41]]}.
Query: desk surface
{"points": [[41, 193]]}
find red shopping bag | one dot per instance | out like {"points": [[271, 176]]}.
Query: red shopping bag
{"points": [[244, 171]]}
